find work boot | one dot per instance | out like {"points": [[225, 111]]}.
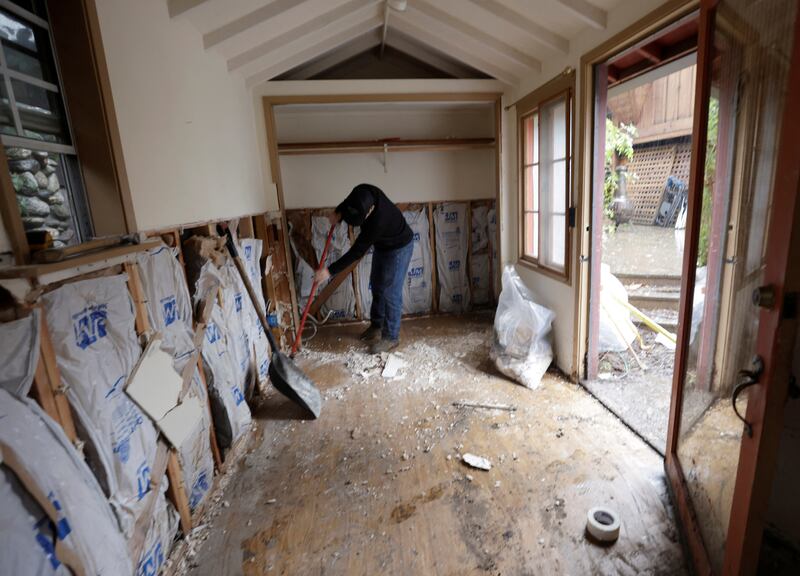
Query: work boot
{"points": [[371, 334], [383, 345]]}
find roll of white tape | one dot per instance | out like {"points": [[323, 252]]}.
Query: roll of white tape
{"points": [[602, 524]]}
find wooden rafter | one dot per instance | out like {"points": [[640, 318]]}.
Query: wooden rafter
{"points": [[535, 30]]}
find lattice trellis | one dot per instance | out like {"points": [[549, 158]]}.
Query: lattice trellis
{"points": [[652, 165]]}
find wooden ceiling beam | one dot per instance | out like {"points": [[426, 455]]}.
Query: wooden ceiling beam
{"points": [[586, 12], [257, 16], [434, 38], [311, 26], [498, 46], [535, 30]]}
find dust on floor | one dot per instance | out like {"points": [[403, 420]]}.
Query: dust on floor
{"points": [[376, 485]]}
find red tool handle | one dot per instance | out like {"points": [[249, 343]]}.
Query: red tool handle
{"points": [[310, 300]]}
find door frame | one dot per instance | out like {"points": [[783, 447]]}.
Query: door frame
{"points": [[585, 267], [776, 333]]}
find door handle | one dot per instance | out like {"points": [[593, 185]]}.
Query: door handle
{"points": [[746, 379]]}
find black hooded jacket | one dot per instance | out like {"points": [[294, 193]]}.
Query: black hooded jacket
{"points": [[385, 227]]}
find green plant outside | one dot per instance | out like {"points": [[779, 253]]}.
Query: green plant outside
{"points": [[619, 143], [708, 182]]}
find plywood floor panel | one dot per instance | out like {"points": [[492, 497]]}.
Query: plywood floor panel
{"points": [[375, 486]]}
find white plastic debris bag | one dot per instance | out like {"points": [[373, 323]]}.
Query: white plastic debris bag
{"points": [[342, 303], [364, 283], [417, 289], [616, 328], [522, 333], [223, 369], [92, 327], [251, 254], [451, 256], [170, 310]]}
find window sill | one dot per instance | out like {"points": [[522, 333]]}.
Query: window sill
{"points": [[549, 272]]}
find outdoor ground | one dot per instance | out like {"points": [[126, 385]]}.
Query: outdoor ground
{"points": [[636, 249], [377, 485]]}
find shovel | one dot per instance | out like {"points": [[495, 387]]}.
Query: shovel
{"points": [[283, 374]]}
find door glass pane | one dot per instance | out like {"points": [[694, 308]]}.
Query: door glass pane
{"points": [[752, 44]]}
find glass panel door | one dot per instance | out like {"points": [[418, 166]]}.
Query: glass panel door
{"points": [[744, 68]]}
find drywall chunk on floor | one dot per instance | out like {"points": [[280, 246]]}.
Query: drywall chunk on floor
{"points": [[450, 224], [342, 303], [418, 289], [92, 326]]}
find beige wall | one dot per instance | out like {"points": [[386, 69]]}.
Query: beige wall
{"points": [[552, 293], [188, 127]]}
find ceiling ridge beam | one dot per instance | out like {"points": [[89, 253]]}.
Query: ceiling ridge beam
{"points": [[257, 16], [427, 54], [535, 30], [178, 7], [319, 48], [470, 31], [434, 40], [308, 27], [350, 50], [589, 13]]}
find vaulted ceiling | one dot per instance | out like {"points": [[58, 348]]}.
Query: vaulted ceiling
{"points": [[503, 39]]}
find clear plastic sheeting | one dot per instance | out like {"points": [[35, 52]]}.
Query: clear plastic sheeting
{"points": [[418, 289], [522, 347], [170, 311], [616, 329], [92, 326], [223, 371], [342, 303], [450, 223]]}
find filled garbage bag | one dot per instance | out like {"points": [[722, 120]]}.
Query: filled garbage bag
{"points": [[522, 347]]}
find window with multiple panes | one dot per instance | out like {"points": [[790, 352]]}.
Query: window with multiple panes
{"points": [[545, 176], [34, 129]]}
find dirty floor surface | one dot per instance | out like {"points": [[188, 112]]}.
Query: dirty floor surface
{"points": [[377, 486]]}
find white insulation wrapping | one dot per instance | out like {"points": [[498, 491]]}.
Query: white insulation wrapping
{"points": [[479, 269], [364, 283], [492, 223], [53, 508], [170, 310], [224, 374], [342, 303], [418, 289], [160, 534], [92, 327], [450, 223], [251, 254]]}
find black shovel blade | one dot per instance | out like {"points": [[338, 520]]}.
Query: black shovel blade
{"points": [[293, 384]]}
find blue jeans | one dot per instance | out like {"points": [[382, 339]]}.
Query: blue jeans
{"points": [[389, 269]]}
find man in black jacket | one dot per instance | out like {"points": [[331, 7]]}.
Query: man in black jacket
{"points": [[384, 227]]}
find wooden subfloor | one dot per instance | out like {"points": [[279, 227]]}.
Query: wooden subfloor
{"points": [[376, 486]]}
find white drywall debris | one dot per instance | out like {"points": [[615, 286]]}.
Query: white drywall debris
{"points": [[154, 384], [478, 462], [182, 421], [451, 256], [394, 363]]}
